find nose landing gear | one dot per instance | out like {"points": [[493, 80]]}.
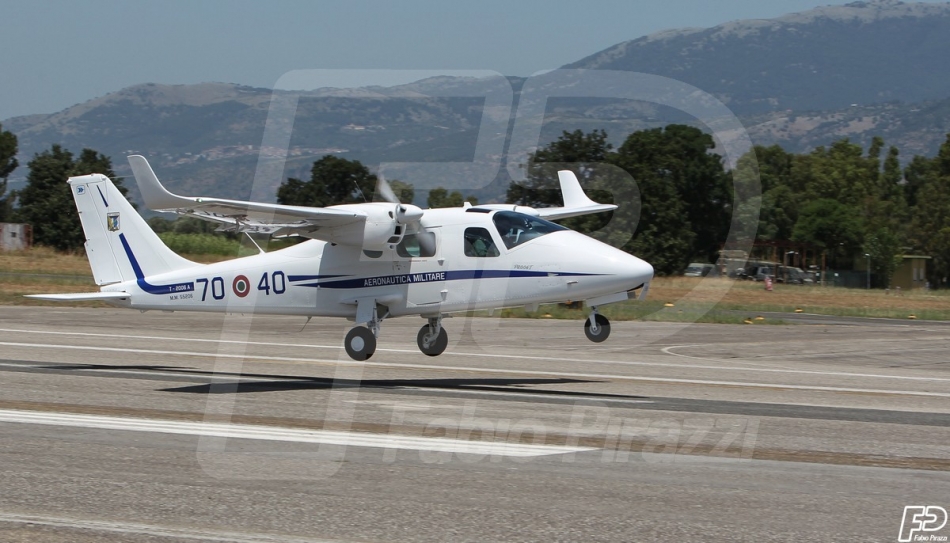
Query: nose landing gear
{"points": [[596, 327]]}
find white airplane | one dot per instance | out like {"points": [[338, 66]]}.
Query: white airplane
{"points": [[366, 262]]}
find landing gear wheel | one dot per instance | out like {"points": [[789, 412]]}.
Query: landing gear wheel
{"points": [[360, 343], [431, 344], [599, 330]]}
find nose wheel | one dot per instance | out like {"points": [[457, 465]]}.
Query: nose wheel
{"points": [[432, 338], [360, 343], [597, 327]]}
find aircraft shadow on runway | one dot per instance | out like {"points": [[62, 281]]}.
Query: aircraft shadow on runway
{"points": [[250, 382]]}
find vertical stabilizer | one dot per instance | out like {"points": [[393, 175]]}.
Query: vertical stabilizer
{"points": [[120, 244]]}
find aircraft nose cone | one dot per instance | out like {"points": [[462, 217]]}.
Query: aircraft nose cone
{"points": [[638, 271]]}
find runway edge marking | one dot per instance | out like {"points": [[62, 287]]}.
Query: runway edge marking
{"points": [[120, 527], [294, 435]]}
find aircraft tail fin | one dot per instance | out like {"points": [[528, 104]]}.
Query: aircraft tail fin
{"points": [[576, 203], [120, 244]]}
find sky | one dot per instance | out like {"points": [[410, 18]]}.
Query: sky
{"points": [[54, 54]]}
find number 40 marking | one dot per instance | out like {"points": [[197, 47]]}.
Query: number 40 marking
{"points": [[276, 281]]}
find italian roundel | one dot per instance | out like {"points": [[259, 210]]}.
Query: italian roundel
{"points": [[241, 286]]}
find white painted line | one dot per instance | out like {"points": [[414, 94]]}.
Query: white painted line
{"points": [[154, 530], [746, 384], [294, 435], [665, 350], [190, 374]]}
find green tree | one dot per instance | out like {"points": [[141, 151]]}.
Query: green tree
{"points": [[404, 192], [684, 188], [333, 181], [773, 168], [583, 152], [8, 163], [46, 202], [440, 197], [589, 156], [931, 217], [832, 226], [916, 175], [884, 246]]}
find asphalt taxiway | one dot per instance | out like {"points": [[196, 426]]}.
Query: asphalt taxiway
{"points": [[121, 426]]}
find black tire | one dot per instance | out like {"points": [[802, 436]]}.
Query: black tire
{"points": [[603, 329], [360, 343], [430, 347]]}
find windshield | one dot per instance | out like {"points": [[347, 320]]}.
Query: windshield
{"points": [[517, 228]]}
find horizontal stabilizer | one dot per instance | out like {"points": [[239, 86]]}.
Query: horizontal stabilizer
{"points": [[81, 296], [576, 203]]}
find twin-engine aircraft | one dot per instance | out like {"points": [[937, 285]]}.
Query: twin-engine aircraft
{"points": [[366, 262]]}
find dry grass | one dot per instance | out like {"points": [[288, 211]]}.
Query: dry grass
{"points": [[42, 270], [44, 260], [737, 295]]}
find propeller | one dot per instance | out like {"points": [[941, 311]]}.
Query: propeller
{"points": [[407, 214]]}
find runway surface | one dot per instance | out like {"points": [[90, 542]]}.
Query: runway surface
{"points": [[122, 426]]}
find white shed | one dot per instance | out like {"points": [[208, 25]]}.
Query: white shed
{"points": [[14, 236]]}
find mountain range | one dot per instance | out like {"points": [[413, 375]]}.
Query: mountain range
{"points": [[801, 80]]}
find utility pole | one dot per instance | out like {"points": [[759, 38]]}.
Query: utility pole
{"points": [[868, 255]]}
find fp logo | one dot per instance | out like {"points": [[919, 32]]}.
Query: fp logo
{"points": [[920, 518]]}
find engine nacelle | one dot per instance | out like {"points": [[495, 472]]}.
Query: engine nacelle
{"points": [[384, 227]]}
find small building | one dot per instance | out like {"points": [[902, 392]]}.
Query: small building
{"points": [[15, 236], [911, 273]]}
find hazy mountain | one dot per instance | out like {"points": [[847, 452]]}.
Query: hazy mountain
{"points": [[826, 58], [208, 137], [864, 69]]}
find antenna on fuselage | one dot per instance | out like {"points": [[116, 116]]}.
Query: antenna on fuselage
{"points": [[359, 190]]}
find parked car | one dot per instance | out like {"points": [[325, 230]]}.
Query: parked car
{"points": [[696, 269], [761, 272], [792, 276]]}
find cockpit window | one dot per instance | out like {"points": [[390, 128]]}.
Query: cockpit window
{"points": [[478, 243], [517, 228], [419, 245]]}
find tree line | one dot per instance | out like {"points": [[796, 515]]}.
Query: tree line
{"points": [[677, 196], [842, 200]]}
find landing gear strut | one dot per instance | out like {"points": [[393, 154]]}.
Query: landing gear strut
{"points": [[596, 327], [432, 339], [360, 342]]}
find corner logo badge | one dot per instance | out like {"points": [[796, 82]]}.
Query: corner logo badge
{"points": [[922, 518], [80, 190], [112, 221]]}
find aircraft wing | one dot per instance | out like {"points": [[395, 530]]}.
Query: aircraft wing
{"points": [[576, 203], [240, 216], [81, 296]]}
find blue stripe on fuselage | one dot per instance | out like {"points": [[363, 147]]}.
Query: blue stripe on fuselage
{"points": [[429, 277], [140, 277]]}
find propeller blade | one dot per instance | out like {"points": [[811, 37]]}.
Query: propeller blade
{"points": [[384, 191], [426, 242]]}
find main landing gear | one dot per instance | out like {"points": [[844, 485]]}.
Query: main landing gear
{"points": [[360, 342], [432, 339], [596, 327]]}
